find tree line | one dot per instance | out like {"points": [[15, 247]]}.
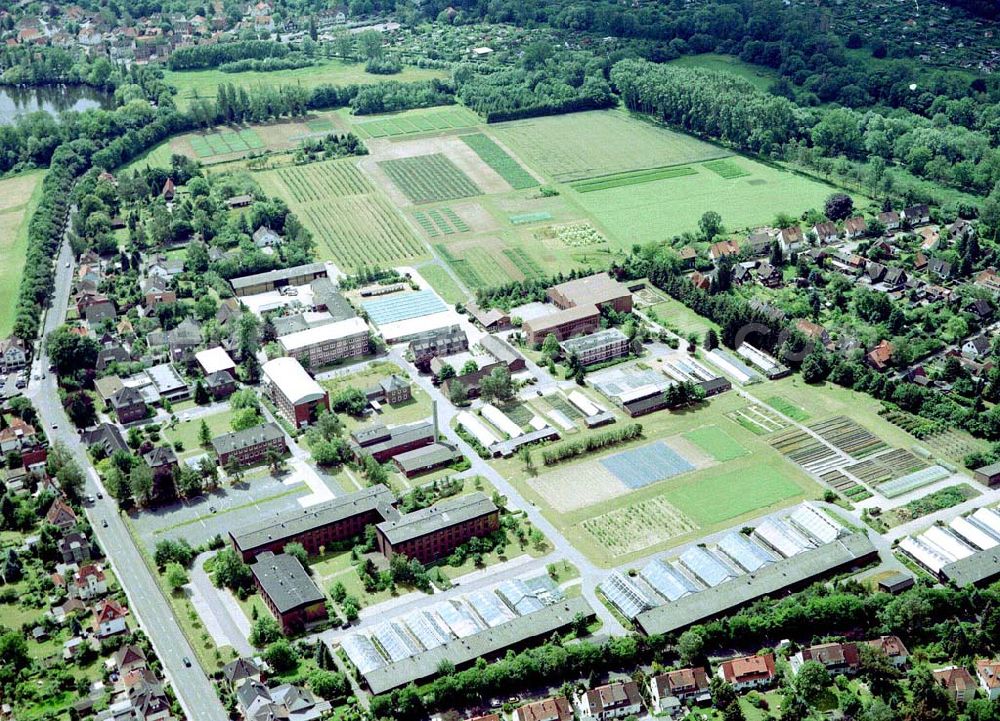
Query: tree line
{"points": [[196, 57]]}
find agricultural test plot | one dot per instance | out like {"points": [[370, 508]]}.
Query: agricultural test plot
{"points": [[635, 177], [413, 122], [758, 419], [575, 486], [353, 224], [598, 143], [846, 486], [225, 142], [498, 159], [485, 262], [429, 178], [717, 443], [440, 221], [639, 467], [725, 169], [886, 466], [633, 528], [721, 497], [571, 235], [787, 408], [849, 436], [805, 450]]}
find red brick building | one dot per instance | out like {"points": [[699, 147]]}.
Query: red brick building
{"points": [[601, 290], [434, 532], [249, 447], [298, 397], [288, 591]]}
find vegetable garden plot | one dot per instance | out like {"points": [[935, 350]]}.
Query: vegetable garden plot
{"points": [[846, 486], [803, 449], [638, 526], [757, 419], [849, 436], [429, 178], [440, 221], [886, 466]]}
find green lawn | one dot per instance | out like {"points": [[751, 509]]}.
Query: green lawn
{"points": [[716, 442], [787, 408], [193, 84], [442, 283], [678, 317], [19, 197], [660, 209], [761, 77], [187, 431], [723, 496]]}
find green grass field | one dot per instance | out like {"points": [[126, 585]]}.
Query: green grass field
{"points": [[661, 209], [717, 443], [442, 283], [721, 497], [194, 84], [19, 196], [352, 222], [498, 159], [413, 122], [225, 142], [187, 432], [429, 178], [597, 143], [787, 408], [761, 77], [675, 315]]}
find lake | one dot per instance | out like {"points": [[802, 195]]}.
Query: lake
{"points": [[53, 99]]}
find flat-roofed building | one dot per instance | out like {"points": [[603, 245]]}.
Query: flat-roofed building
{"points": [[288, 591], [318, 526], [601, 290], [298, 397], [563, 324], [250, 446], [604, 345], [264, 282], [430, 533], [426, 459], [329, 343]]}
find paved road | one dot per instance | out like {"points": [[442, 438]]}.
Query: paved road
{"points": [[196, 693]]}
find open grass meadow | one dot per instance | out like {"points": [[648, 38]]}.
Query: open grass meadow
{"points": [[746, 193], [762, 78], [442, 283], [598, 143], [19, 196], [352, 222], [195, 84], [186, 432], [746, 479]]}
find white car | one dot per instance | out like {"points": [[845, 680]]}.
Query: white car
{"points": [[67, 264]]}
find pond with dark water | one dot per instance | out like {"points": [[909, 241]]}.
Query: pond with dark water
{"points": [[53, 99]]}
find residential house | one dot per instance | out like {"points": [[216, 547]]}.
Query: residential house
{"points": [[976, 347], [960, 684], [920, 261], [688, 255], [184, 340], [61, 515], [150, 702], [723, 248], [769, 276], [129, 405], [749, 672], [100, 312], [264, 237], [392, 390], [980, 308], [758, 242], [169, 190], [156, 291], [220, 384], [813, 331], [856, 227], [106, 436], [17, 436], [614, 700], [162, 461], [988, 671], [791, 239], [236, 673], [74, 548], [825, 232], [701, 281], [88, 583], [106, 357], [129, 658], [684, 684], [837, 658], [893, 648], [961, 228], [875, 272], [880, 356], [894, 279], [917, 214], [550, 709], [109, 618], [940, 268], [890, 219], [13, 355]]}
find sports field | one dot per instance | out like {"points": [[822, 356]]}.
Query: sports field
{"points": [[194, 84], [19, 196], [660, 209], [600, 142], [412, 122], [352, 222]]}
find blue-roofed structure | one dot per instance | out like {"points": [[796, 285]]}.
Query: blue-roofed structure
{"points": [[667, 580], [744, 553], [707, 568], [404, 306]]}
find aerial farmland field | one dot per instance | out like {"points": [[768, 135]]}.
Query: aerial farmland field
{"points": [[19, 195], [352, 222]]}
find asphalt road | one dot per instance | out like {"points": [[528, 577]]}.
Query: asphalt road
{"points": [[194, 690]]}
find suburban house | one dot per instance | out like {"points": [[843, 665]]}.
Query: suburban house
{"points": [[109, 618], [129, 405], [723, 248], [988, 671], [892, 647], [825, 232], [855, 228], [614, 700], [550, 709], [61, 515], [749, 672], [880, 356], [88, 582], [890, 219], [684, 684], [917, 214], [837, 658], [241, 670], [960, 684], [988, 279], [791, 239]]}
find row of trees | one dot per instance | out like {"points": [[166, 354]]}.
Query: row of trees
{"points": [[574, 449], [196, 57]]}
